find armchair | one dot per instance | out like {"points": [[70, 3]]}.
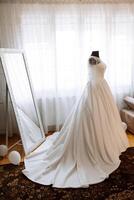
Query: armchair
{"points": [[127, 114]]}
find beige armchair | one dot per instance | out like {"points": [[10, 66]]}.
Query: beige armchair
{"points": [[127, 114]]}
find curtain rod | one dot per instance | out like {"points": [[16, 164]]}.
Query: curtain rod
{"points": [[68, 1]]}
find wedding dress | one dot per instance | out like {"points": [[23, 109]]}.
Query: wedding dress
{"points": [[87, 148]]}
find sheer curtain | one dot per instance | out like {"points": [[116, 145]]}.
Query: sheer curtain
{"points": [[58, 39]]}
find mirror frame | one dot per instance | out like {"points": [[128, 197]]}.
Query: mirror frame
{"points": [[3, 64]]}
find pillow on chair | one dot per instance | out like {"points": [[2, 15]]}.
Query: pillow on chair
{"points": [[129, 101]]}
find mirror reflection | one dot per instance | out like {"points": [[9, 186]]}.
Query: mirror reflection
{"points": [[22, 98]]}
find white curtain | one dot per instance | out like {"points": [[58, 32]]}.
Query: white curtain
{"points": [[58, 39]]}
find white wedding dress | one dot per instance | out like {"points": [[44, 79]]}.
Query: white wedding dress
{"points": [[87, 148]]}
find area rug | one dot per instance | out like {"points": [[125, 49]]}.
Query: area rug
{"points": [[119, 186]]}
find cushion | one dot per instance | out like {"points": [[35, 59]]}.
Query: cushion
{"points": [[129, 101], [127, 116]]}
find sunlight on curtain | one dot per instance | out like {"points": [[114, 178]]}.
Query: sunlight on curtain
{"points": [[58, 40]]}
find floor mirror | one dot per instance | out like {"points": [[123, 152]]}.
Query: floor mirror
{"points": [[23, 99]]}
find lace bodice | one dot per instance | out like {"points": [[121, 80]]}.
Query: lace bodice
{"points": [[96, 72]]}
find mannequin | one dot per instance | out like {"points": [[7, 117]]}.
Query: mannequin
{"points": [[94, 58], [95, 53]]}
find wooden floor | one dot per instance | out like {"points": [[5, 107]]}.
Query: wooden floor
{"points": [[131, 139], [19, 146]]}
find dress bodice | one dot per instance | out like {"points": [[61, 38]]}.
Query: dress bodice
{"points": [[96, 72]]}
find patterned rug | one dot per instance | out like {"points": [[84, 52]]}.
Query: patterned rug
{"points": [[119, 186]]}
